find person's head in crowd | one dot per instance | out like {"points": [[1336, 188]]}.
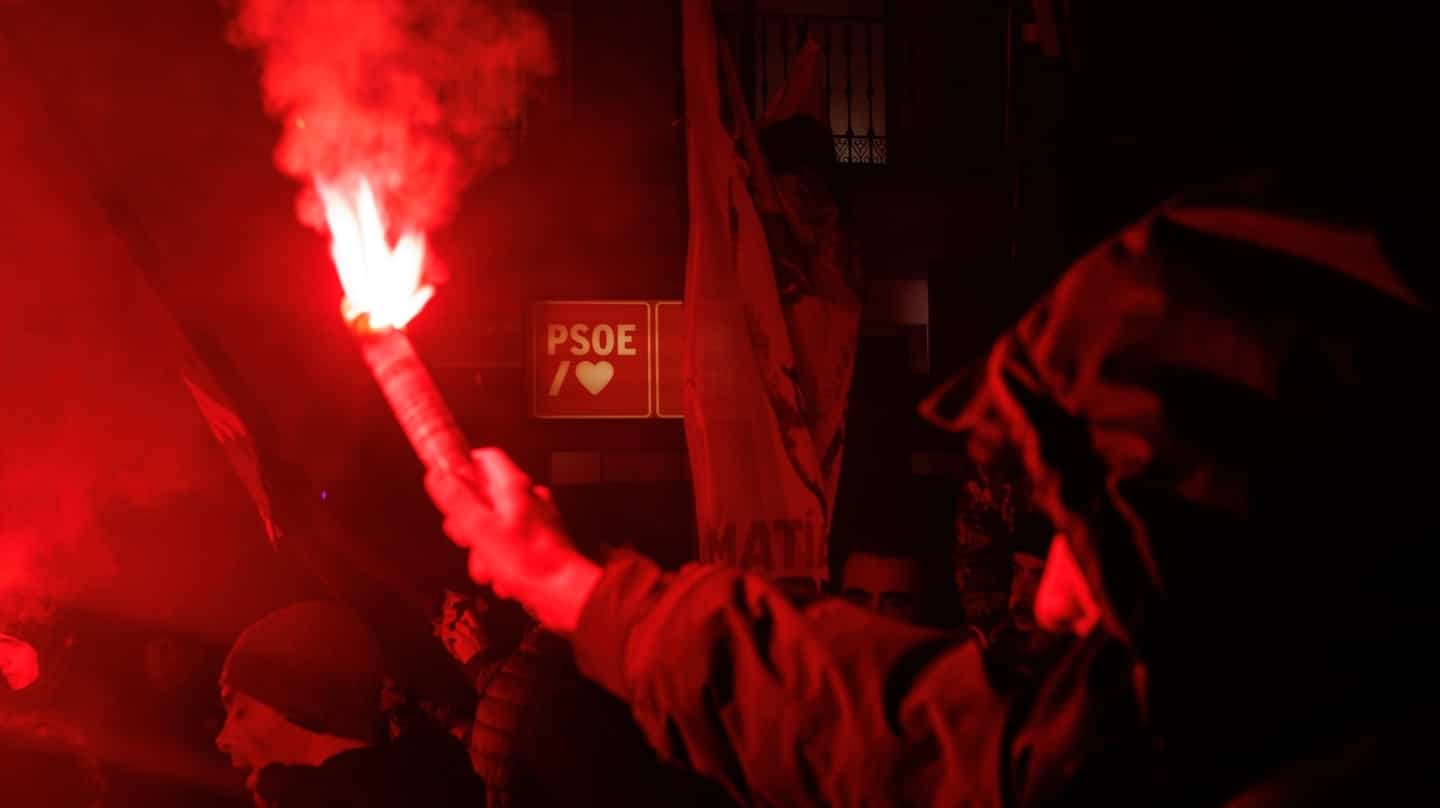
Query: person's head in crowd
{"points": [[1025, 642], [300, 686], [891, 547], [1029, 547], [887, 584], [982, 594], [477, 627], [42, 766], [983, 526], [461, 626]]}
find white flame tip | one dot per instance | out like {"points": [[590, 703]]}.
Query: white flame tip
{"points": [[379, 280]]}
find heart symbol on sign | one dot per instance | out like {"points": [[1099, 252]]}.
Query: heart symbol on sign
{"points": [[594, 376]]}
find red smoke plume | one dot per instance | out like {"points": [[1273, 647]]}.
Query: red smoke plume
{"points": [[417, 95]]}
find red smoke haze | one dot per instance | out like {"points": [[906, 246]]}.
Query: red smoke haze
{"points": [[418, 95]]}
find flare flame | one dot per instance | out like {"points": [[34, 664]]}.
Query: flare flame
{"points": [[384, 284]]}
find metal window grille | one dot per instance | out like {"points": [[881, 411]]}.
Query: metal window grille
{"points": [[873, 70], [853, 56]]}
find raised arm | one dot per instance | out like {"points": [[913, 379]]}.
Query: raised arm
{"points": [[827, 706]]}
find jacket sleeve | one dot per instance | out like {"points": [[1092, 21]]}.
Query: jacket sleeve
{"points": [[829, 706]]}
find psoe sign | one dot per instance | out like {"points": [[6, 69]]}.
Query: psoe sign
{"points": [[591, 359]]}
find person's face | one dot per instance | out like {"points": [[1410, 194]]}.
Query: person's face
{"points": [[461, 628], [255, 734], [1025, 572], [888, 586]]}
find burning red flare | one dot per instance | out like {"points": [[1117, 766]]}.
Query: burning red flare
{"points": [[384, 290], [382, 283]]}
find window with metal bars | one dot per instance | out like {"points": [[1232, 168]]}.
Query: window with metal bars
{"points": [[853, 51], [871, 69]]}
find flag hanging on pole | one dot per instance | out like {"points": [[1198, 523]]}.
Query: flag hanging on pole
{"points": [[772, 314], [226, 425]]}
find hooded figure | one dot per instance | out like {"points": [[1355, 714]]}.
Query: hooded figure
{"points": [[1222, 416], [1221, 413]]}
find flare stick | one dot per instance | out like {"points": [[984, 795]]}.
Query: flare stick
{"points": [[413, 397]]}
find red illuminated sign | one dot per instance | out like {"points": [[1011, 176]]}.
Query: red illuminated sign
{"points": [[591, 359]]}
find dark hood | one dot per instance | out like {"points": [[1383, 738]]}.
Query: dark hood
{"points": [[421, 767], [1228, 410]]}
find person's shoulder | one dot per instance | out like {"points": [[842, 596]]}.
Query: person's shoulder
{"points": [[283, 785], [424, 766], [422, 747], [433, 764]]}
